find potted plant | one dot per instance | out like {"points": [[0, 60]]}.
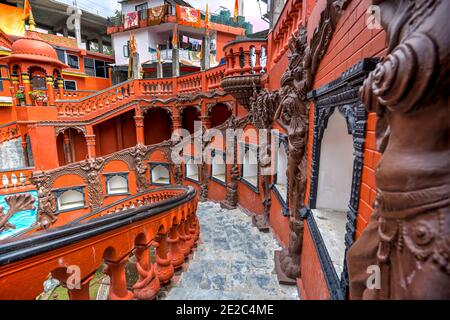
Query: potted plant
{"points": [[39, 97], [20, 95]]}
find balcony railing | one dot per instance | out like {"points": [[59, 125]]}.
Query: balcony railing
{"points": [[116, 96], [246, 62], [74, 94], [169, 226], [15, 180]]}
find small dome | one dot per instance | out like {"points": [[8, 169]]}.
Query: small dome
{"points": [[32, 44], [33, 48]]}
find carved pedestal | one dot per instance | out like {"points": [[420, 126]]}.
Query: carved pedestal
{"points": [[148, 285]]}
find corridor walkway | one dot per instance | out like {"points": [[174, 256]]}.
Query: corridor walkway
{"points": [[233, 261]]}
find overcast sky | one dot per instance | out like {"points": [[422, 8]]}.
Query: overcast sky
{"points": [[251, 8]]}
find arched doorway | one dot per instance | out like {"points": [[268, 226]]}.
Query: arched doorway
{"points": [[72, 147], [189, 116], [219, 114], [157, 125]]}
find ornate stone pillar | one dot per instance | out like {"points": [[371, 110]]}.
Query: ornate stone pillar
{"points": [[118, 288], [66, 147], [184, 239], [187, 233], [148, 285], [90, 142], [164, 268], [61, 88], [26, 88], [50, 90], [176, 118], [175, 254], [139, 122]]}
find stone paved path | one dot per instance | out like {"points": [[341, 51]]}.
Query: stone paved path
{"points": [[233, 261]]}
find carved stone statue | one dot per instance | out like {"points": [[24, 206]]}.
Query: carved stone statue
{"points": [[232, 189], [231, 199], [408, 236], [47, 208], [46, 214], [262, 110], [92, 168], [293, 114], [139, 153]]}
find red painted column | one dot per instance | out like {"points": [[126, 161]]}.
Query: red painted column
{"points": [[164, 267], [148, 285], [61, 88], [27, 88], [90, 142], [140, 136], [184, 245], [50, 90], [175, 254], [118, 288]]}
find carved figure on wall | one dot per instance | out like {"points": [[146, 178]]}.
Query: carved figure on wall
{"points": [[232, 190], [263, 106], [139, 153], [46, 214], [92, 168], [293, 113], [408, 236], [16, 203]]}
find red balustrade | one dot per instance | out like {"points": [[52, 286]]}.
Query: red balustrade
{"points": [[15, 180], [244, 57], [98, 103], [74, 94], [112, 98], [169, 226]]}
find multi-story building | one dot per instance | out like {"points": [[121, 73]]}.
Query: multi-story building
{"points": [[337, 146], [155, 23]]}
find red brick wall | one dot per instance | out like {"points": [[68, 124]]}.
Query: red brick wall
{"points": [[313, 282], [351, 42]]}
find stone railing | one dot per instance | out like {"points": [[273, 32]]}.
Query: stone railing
{"points": [[74, 94], [170, 227], [112, 98], [246, 62], [15, 179], [97, 103]]}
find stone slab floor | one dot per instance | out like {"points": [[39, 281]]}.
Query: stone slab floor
{"points": [[233, 261]]}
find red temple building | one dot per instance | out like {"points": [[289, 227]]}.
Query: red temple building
{"points": [[327, 136]]}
